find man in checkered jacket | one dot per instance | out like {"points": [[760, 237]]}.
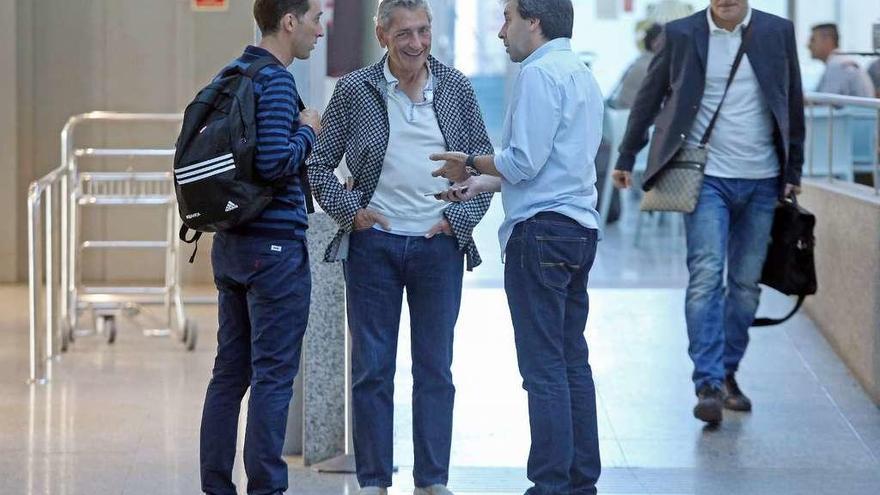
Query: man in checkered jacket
{"points": [[386, 120]]}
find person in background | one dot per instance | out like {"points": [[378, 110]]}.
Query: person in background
{"points": [[625, 93], [874, 73], [622, 99], [843, 75], [756, 154]]}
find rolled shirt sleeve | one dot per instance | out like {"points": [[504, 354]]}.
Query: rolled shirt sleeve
{"points": [[534, 122]]}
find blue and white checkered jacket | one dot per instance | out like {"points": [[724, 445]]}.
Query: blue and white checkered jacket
{"points": [[356, 126]]}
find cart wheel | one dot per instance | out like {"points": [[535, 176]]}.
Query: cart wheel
{"points": [[110, 327], [65, 335], [191, 330]]}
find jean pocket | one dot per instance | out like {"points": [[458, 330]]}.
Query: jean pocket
{"points": [[560, 258]]}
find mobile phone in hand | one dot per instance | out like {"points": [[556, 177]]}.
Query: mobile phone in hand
{"points": [[437, 195]]}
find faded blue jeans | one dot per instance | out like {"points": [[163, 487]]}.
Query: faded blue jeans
{"points": [[729, 228], [379, 266], [547, 265]]}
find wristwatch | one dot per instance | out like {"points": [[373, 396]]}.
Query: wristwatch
{"points": [[471, 164]]}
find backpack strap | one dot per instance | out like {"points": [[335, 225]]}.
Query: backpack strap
{"points": [[213, 91], [191, 240], [304, 172], [258, 65], [251, 72]]}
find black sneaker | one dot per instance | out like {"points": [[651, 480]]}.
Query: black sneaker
{"points": [[734, 399], [708, 408]]}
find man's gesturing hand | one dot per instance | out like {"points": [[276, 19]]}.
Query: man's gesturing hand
{"points": [[454, 166]]}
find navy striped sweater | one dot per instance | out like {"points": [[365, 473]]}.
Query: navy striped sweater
{"points": [[282, 148]]}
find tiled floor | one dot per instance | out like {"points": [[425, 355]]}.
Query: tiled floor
{"points": [[124, 419]]}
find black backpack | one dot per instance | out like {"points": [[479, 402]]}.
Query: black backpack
{"points": [[215, 180]]}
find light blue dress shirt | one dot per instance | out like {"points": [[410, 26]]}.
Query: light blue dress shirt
{"points": [[551, 136]]}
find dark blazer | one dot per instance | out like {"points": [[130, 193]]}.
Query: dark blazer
{"points": [[670, 96]]}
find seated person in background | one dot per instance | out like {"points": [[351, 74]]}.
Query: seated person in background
{"points": [[874, 73], [843, 75], [625, 92], [622, 99]]}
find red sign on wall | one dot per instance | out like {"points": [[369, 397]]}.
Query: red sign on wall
{"points": [[210, 5]]}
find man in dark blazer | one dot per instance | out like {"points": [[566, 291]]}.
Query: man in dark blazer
{"points": [[756, 153]]}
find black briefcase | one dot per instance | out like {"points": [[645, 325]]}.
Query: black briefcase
{"points": [[790, 267]]}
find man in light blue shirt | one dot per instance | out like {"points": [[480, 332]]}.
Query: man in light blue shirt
{"points": [[546, 172]]}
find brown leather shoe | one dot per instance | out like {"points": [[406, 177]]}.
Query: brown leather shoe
{"points": [[734, 399], [708, 407]]}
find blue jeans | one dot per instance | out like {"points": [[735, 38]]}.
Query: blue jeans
{"points": [[264, 291], [730, 227], [379, 267], [548, 261]]}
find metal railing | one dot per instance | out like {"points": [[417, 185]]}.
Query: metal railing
{"points": [[50, 295], [41, 204], [837, 105]]}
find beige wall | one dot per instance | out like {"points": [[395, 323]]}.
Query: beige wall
{"points": [[8, 141], [847, 306], [23, 70], [75, 56]]}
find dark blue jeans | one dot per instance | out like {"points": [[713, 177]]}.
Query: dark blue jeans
{"points": [[379, 267], [730, 227], [264, 291], [548, 261]]}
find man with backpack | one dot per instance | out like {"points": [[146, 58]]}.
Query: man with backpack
{"points": [[261, 266]]}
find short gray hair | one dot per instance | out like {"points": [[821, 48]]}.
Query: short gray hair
{"points": [[387, 8]]}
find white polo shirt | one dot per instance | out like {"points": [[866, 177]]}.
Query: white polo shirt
{"points": [[406, 172], [741, 145]]}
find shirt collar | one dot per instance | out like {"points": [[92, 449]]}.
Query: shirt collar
{"points": [[393, 82], [713, 28], [257, 51], [555, 45]]}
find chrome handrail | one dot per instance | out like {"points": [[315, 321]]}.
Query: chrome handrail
{"points": [[834, 102], [833, 99], [41, 350]]}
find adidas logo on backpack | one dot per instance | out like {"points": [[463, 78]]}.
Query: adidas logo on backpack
{"points": [[214, 172]]}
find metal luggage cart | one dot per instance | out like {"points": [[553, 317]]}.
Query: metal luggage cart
{"points": [[106, 304], [57, 203], [93, 190]]}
